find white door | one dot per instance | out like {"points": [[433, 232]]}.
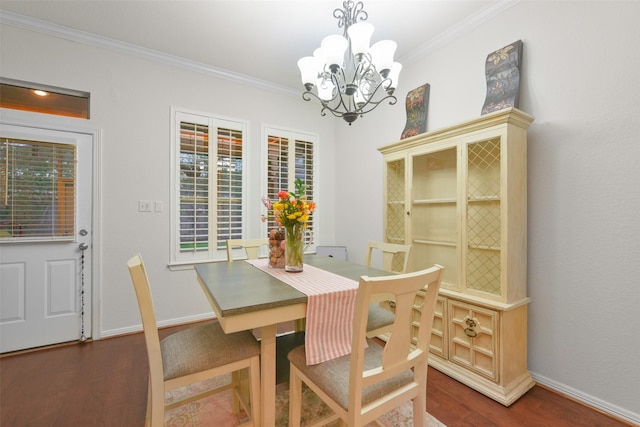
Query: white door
{"points": [[45, 236]]}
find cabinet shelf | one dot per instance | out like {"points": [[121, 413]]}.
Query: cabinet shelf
{"points": [[434, 201], [434, 242], [485, 247], [483, 199]]}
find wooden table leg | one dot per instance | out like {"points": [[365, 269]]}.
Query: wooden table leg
{"points": [[268, 375]]}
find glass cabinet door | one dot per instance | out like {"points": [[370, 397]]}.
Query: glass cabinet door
{"points": [[395, 229], [483, 217], [434, 217]]}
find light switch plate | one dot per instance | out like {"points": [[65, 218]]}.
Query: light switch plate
{"points": [[145, 206]]}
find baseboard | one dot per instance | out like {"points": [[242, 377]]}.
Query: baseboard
{"points": [[598, 404], [110, 333]]}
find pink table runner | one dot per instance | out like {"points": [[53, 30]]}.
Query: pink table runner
{"points": [[330, 309]]}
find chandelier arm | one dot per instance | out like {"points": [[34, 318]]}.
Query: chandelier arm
{"points": [[340, 89], [369, 99], [325, 104], [373, 105], [308, 94], [336, 109], [334, 112]]}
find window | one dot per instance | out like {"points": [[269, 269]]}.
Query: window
{"points": [[292, 155], [208, 196], [37, 191]]}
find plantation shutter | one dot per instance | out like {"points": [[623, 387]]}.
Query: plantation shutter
{"points": [[229, 186], [210, 182], [37, 194], [304, 169], [194, 187], [290, 156], [277, 169]]}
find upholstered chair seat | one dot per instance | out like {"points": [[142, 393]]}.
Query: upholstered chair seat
{"points": [[333, 376], [379, 320], [204, 347]]}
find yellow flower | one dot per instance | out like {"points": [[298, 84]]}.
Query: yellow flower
{"points": [[292, 208]]}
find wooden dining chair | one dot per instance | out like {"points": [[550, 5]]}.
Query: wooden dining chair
{"points": [[395, 259], [251, 247], [193, 355], [362, 386]]}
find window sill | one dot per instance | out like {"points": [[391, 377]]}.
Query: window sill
{"points": [[188, 265]]}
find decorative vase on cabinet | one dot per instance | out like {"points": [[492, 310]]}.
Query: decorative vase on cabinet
{"points": [[458, 195]]}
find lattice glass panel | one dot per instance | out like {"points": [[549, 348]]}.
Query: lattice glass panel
{"points": [[395, 202], [483, 224], [483, 216], [483, 270], [484, 169]]}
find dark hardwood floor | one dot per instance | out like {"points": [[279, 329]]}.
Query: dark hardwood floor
{"points": [[104, 383]]}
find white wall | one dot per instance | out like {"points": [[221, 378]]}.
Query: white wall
{"points": [[581, 81], [131, 100]]}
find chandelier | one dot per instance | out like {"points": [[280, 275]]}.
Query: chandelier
{"points": [[349, 77]]}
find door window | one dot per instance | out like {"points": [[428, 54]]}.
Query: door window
{"points": [[37, 192]]}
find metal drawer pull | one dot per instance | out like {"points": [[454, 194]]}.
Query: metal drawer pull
{"points": [[471, 324]]}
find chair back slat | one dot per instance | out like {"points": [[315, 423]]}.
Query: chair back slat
{"points": [[390, 253], [251, 247]]}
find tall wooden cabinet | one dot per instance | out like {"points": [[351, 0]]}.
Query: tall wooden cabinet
{"points": [[459, 196]]}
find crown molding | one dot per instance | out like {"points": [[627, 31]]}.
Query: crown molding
{"points": [[458, 30], [54, 30]]}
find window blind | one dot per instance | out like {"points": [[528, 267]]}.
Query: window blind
{"points": [[211, 194], [288, 158], [304, 169], [194, 187], [37, 196], [229, 197]]}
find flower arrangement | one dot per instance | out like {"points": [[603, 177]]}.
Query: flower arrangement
{"points": [[292, 211], [293, 208]]}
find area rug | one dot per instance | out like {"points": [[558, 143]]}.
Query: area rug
{"points": [[216, 410]]}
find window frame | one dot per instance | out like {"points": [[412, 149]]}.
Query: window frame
{"points": [[181, 259], [293, 136]]}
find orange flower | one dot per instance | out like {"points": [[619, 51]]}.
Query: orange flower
{"points": [[292, 208]]}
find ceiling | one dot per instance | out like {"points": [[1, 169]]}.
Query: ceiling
{"points": [[262, 39]]}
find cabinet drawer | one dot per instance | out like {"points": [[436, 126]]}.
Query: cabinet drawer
{"points": [[473, 338]]}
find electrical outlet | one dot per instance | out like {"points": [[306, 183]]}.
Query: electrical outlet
{"points": [[145, 206]]}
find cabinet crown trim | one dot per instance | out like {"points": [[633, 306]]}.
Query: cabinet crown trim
{"points": [[508, 115]]}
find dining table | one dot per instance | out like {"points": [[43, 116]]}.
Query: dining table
{"points": [[244, 297]]}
